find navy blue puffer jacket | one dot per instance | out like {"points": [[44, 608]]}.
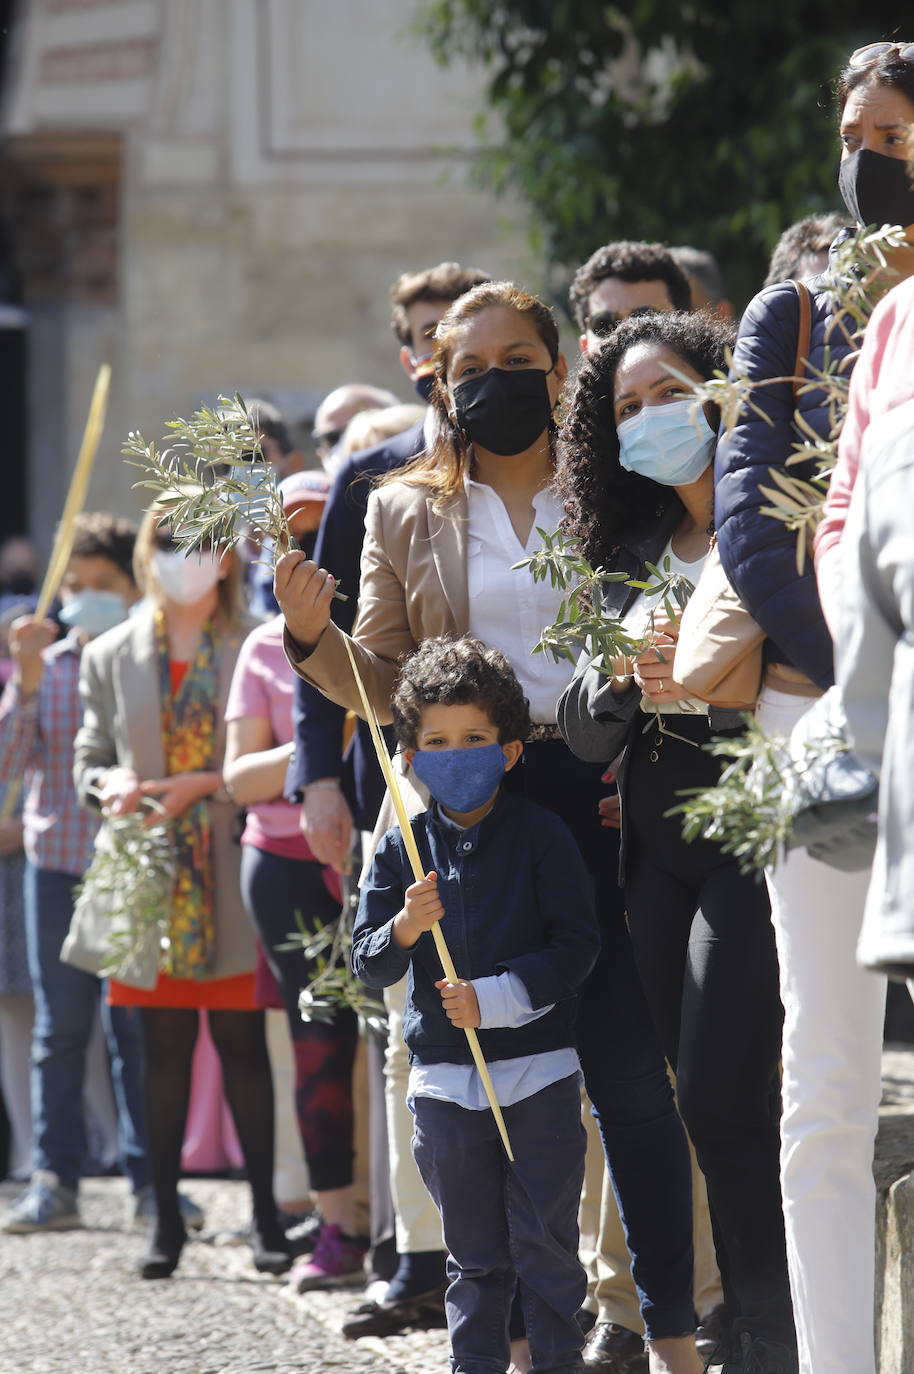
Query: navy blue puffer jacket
{"points": [[757, 551]]}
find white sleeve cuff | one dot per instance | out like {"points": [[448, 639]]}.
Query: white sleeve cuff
{"points": [[504, 1002]]}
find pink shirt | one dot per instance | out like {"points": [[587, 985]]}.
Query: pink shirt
{"points": [[882, 379], [263, 685]]}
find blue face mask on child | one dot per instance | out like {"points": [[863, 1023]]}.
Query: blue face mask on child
{"points": [[461, 779], [93, 611], [668, 443]]}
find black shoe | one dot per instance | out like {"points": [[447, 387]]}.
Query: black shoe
{"points": [[271, 1261], [713, 1336], [302, 1237], [615, 1350], [761, 1357], [586, 1320], [161, 1259], [270, 1249]]}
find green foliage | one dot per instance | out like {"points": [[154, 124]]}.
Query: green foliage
{"points": [[201, 478], [333, 985], [580, 625], [131, 877], [706, 123], [749, 812], [859, 276]]}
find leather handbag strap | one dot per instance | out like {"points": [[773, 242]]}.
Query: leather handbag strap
{"points": [[804, 332]]}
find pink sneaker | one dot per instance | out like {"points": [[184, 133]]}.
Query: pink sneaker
{"points": [[336, 1261]]}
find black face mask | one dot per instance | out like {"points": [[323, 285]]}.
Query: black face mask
{"points": [[425, 385], [504, 412], [876, 189]]}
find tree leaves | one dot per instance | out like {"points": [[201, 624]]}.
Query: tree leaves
{"points": [[698, 123]]}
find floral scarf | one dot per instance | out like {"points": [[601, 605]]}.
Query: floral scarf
{"points": [[189, 738]]}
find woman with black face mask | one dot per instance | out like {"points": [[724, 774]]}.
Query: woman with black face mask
{"points": [[442, 538], [834, 1011]]}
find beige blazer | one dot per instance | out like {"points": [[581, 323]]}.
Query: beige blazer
{"points": [[122, 715], [413, 587]]}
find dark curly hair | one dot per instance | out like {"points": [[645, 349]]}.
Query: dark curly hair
{"points": [[629, 261], [604, 503], [887, 70], [97, 534], [459, 672]]}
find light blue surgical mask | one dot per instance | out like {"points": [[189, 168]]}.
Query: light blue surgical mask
{"points": [[94, 612], [461, 779], [257, 477], [671, 444]]}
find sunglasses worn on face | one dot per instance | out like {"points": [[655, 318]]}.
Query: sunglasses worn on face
{"points": [[873, 51], [328, 439], [604, 322]]}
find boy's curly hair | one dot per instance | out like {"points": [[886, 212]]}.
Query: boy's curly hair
{"points": [[459, 672]]}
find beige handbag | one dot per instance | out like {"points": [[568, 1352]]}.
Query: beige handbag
{"points": [[719, 650]]}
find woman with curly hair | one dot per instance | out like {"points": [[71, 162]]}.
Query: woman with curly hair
{"points": [[442, 539], [636, 473]]}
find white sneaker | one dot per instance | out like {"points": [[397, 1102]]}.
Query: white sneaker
{"points": [[45, 1206]]}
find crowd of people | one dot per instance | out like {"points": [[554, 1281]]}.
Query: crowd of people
{"points": [[686, 1060]]}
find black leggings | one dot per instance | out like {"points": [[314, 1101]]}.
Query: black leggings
{"points": [[276, 891], [705, 951], [169, 1035]]}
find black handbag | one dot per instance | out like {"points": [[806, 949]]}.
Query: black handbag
{"points": [[835, 798]]}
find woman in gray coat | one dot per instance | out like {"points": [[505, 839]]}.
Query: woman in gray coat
{"points": [[154, 691]]}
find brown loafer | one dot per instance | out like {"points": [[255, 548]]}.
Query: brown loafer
{"points": [[388, 1318], [614, 1349]]}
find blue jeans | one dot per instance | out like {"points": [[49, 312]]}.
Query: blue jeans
{"points": [[508, 1225], [624, 1068], [65, 1003]]}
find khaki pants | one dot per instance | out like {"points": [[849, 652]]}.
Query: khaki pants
{"points": [[418, 1224]]}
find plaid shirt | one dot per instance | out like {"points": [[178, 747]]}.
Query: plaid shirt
{"points": [[36, 744]]}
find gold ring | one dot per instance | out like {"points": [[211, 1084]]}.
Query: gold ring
{"points": [[660, 684]]}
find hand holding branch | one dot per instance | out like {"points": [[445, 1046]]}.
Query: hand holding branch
{"points": [[304, 592], [421, 910]]}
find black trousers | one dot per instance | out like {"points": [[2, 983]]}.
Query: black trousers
{"points": [[623, 1063], [276, 890], [704, 947]]}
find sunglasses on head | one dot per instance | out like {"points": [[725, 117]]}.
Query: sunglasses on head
{"points": [[873, 51], [604, 322]]}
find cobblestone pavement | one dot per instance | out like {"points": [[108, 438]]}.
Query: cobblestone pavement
{"points": [[70, 1304]]}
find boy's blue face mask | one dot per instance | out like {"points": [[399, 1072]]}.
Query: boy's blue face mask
{"points": [[93, 611], [461, 779]]}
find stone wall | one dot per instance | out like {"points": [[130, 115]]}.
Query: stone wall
{"points": [[259, 171]]}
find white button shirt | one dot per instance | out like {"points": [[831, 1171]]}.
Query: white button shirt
{"points": [[508, 610]]}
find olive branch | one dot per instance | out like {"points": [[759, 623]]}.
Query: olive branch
{"points": [[208, 480], [858, 277], [580, 626], [333, 985], [130, 878]]}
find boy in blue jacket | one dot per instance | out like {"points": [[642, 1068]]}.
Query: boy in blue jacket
{"points": [[505, 879]]}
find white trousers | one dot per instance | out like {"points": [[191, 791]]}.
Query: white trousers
{"points": [[834, 1015]]}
